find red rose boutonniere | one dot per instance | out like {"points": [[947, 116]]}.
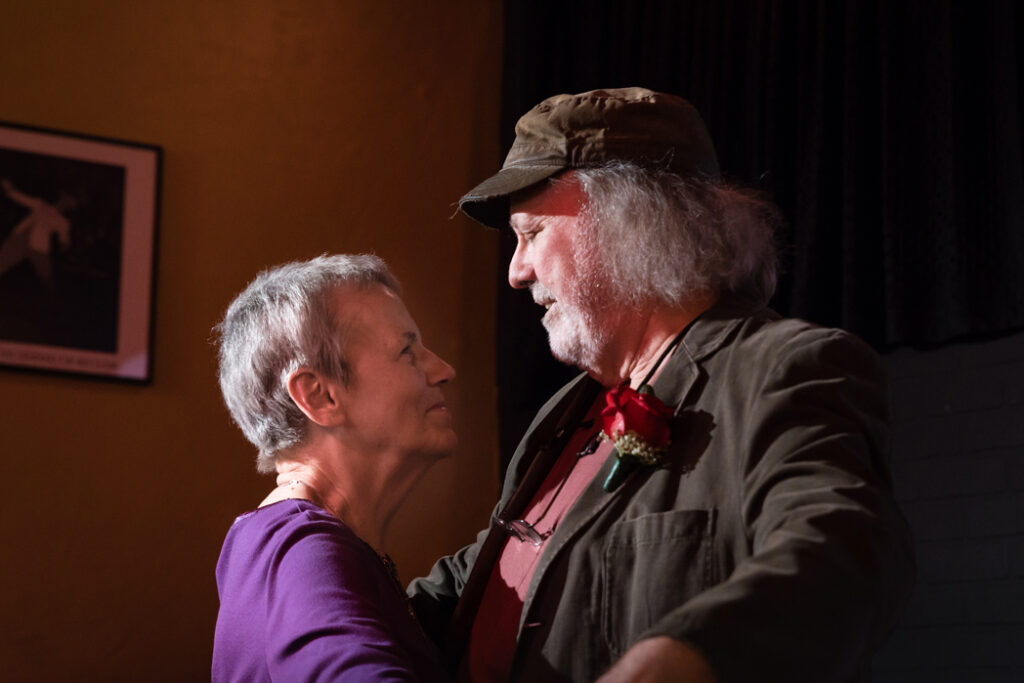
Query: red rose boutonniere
{"points": [[637, 422]]}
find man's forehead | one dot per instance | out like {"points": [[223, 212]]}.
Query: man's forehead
{"points": [[562, 196]]}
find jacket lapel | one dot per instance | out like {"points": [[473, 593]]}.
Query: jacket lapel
{"points": [[536, 454]]}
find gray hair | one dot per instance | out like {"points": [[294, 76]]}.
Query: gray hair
{"points": [[283, 320], [661, 237]]}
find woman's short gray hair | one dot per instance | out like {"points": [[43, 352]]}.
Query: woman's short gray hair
{"points": [[283, 320], [663, 237]]}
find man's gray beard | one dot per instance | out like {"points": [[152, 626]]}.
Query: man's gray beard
{"points": [[574, 334]]}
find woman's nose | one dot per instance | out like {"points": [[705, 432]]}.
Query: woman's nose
{"points": [[438, 370]]}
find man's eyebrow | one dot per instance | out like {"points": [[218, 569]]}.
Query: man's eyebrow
{"points": [[524, 224], [410, 337]]}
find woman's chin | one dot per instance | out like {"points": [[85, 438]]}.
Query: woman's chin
{"points": [[446, 445]]}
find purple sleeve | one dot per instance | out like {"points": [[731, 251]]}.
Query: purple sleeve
{"points": [[326, 613]]}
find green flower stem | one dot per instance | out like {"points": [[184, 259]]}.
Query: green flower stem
{"points": [[624, 464]]}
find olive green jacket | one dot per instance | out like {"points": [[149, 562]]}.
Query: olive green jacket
{"points": [[768, 539]]}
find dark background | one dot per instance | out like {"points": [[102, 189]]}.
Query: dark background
{"points": [[889, 133]]}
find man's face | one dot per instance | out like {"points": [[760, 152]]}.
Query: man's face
{"points": [[563, 274], [394, 404]]}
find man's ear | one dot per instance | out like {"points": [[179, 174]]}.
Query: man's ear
{"points": [[316, 396]]}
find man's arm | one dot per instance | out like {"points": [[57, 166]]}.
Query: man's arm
{"points": [[433, 597]]}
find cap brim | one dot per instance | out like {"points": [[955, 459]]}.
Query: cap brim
{"points": [[488, 202]]}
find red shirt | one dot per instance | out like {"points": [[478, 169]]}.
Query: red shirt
{"points": [[493, 639]]}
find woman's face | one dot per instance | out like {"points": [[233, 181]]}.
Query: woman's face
{"points": [[393, 403]]}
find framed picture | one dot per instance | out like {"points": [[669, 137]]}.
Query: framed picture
{"points": [[78, 228]]}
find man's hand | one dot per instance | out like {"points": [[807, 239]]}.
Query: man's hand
{"points": [[658, 659]]}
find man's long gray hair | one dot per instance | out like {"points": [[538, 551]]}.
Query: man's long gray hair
{"points": [[283, 320], [661, 237]]}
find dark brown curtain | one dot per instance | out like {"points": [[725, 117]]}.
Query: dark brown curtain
{"points": [[889, 133]]}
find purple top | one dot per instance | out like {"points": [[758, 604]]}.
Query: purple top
{"points": [[302, 598]]}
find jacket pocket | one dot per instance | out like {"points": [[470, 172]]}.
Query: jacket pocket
{"points": [[652, 564]]}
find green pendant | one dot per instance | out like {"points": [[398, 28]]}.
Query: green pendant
{"points": [[624, 464]]}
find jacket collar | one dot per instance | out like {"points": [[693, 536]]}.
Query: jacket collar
{"points": [[707, 334]]}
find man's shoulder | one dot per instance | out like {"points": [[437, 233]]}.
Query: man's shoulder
{"points": [[764, 343], [752, 344], [765, 329]]}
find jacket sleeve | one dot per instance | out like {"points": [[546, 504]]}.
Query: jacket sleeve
{"points": [[433, 597], [831, 561]]}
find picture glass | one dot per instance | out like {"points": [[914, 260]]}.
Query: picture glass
{"points": [[77, 231]]}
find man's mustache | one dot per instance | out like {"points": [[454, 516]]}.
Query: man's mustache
{"points": [[542, 296]]}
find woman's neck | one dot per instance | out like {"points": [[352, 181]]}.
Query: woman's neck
{"points": [[362, 492]]}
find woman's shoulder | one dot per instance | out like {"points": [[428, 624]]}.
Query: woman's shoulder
{"points": [[286, 521], [287, 511], [293, 531]]}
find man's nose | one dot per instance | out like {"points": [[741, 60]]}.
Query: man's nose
{"points": [[520, 270]]}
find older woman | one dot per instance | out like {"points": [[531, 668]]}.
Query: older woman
{"points": [[325, 372]]}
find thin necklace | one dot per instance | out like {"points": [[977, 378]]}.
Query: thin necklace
{"points": [[384, 558], [316, 499]]}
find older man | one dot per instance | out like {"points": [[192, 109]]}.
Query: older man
{"points": [[709, 500]]}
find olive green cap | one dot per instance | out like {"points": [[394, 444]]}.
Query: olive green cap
{"points": [[589, 129]]}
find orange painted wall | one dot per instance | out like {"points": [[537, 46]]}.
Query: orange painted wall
{"points": [[289, 128]]}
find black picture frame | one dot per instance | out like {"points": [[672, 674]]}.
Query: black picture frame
{"points": [[78, 245]]}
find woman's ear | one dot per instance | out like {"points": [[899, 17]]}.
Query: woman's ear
{"points": [[316, 396]]}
